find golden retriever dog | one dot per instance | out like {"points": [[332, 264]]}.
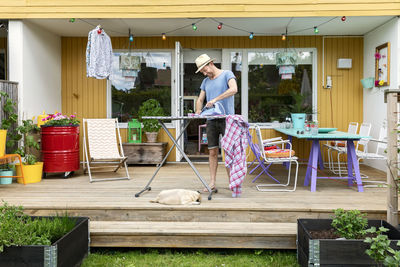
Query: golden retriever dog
{"points": [[178, 197]]}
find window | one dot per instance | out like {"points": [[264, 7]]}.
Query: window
{"points": [[236, 67], [136, 77], [268, 93]]}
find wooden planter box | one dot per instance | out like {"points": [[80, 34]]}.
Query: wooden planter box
{"points": [[145, 153], [68, 251], [331, 252]]}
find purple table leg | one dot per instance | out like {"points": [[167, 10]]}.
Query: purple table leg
{"points": [[349, 167], [315, 149], [286, 164], [351, 152], [321, 163], [308, 173]]}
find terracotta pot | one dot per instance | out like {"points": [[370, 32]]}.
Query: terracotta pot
{"points": [[151, 137]]}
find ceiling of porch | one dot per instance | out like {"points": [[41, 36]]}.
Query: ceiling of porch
{"points": [[208, 26]]}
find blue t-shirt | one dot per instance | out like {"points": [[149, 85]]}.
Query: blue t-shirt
{"points": [[217, 86]]}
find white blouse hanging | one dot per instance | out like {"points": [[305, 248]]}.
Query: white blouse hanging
{"points": [[98, 54]]}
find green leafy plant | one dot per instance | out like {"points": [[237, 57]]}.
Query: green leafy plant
{"points": [[61, 120], [380, 250], [25, 150], [18, 229], [10, 119], [150, 107], [350, 224], [298, 105]]}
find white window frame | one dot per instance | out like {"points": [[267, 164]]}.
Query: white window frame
{"points": [[226, 64], [124, 125]]}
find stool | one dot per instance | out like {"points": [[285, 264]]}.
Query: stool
{"points": [[201, 142]]}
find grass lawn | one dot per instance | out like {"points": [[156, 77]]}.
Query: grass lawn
{"points": [[190, 257]]}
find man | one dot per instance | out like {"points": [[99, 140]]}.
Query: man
{"points": [[219, 86]]}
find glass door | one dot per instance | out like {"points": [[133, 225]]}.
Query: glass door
{"points": [[179, 95]]}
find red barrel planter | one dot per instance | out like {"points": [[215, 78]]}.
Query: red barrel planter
{"points": [[60, 148]]}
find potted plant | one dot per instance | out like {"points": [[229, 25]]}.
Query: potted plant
{"points": [[25, 240], [60, 144], [32, 169], [339, 241], [9, 136], [151, 127], [298, 109]]}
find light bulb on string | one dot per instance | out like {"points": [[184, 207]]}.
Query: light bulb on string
{"points": [[219, 27], [131, 38], [251, 36], [72, 20], [343, 18], [164, 37], [194, 27], [316, 30], [283, 37]]}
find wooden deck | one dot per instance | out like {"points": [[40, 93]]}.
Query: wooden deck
{"points": [[256, 220]]}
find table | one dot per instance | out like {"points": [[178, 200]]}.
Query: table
{"points": [[315, 155], [186, 120]]}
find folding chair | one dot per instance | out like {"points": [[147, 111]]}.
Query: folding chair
{"points": [[271, 160], [365, 130], [101, 147], [258, 158], [333, 145]]}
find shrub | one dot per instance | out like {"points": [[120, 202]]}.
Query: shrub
{"points": [[350, 224]]}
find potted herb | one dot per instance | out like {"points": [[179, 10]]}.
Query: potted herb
{"points": [[338, 241], [41, 241], [60, 144], [298, 110], [32, 169], [151, 127]]}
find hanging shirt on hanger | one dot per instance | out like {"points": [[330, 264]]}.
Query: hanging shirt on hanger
{"points": [[98, 54]]}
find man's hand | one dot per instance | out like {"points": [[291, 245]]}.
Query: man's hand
{"points": [[210, 103]]}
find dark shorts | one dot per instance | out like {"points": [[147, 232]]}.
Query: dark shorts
{"points": [[214, 129]]}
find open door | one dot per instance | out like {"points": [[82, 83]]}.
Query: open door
{"points": [[179, 96]]}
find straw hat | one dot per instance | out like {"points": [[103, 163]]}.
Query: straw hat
{"points": [[202, 61]]}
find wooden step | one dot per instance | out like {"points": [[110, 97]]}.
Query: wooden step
{"points": [[193, 234]]}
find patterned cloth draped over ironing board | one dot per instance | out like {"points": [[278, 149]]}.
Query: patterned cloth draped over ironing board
{"points": [[234, 143]]}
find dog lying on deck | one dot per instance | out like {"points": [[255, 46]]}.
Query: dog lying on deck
{"points": [[178, 197]]}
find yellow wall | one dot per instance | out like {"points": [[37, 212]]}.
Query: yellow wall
{"points": [[191, 8], [87, 96]]}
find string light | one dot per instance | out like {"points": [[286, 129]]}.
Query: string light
{"points": [[72, 20], [343, 18], [131, 38], [194, 27], [251, 36], [164, 37], [283, 37], [316, 30], [219, 27]]}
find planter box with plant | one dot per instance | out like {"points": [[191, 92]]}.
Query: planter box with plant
{"points": [[60, 144], [41, 241], [343, 241], [298, 110], [32, 168], [151, 127]]}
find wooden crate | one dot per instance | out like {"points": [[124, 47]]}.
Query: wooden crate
{"points": [[145, 153]]}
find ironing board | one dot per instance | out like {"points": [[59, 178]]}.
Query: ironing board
{"points": [[186, 120]]}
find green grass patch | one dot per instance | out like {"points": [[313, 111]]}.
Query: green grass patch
{"points": [[190, 258]]}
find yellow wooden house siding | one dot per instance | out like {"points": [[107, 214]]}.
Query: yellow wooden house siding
{"points": [[87, 96], [12, 9]]}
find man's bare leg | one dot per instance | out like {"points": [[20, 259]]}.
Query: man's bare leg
{"points": [[213, 161]]}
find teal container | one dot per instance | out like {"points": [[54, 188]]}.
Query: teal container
{"points": [[368, 83], [298, 120], [7, 180]]}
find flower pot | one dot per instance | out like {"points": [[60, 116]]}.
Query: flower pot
{"points": [[298, 120], [67, 251], [60, 148], [333, 252], [6, 180], [151, 137], [368, 83], [3, 137], [32, 173]]}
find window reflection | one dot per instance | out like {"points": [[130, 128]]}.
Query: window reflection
{"points": [[136, 77], [236, 67], [269, 95]]}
